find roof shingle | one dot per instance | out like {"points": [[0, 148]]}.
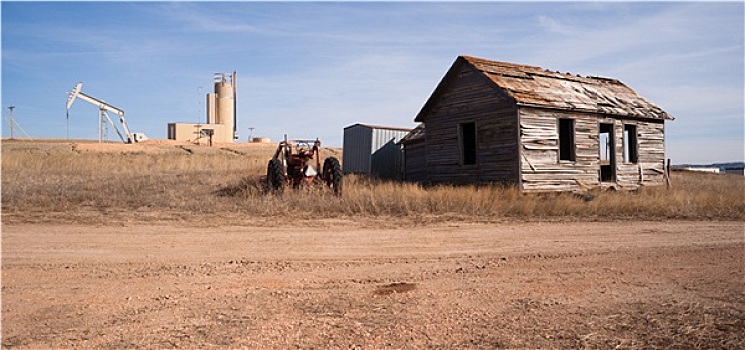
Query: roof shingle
{"points": [[538, 87]]}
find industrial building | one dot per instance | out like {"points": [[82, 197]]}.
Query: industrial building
{"points": [[735, 171], [220, 123], [200, 133], [490, 121], [373, 150]]}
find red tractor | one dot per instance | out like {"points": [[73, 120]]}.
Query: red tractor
{"points": [[297, 163]]}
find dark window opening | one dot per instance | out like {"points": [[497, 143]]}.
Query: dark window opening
{"points": [[468, 143], [607, 153], [566, 140], [630, 146]]}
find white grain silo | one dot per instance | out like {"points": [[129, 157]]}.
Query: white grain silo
{"points": [[221, 115], [221, 105]]}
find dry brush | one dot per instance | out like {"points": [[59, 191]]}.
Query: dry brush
{"points": [[54, 182]]}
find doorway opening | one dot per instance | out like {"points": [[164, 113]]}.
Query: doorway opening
{"points": [[607, 153], [468, 143]]}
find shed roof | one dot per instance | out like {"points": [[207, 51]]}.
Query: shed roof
{"points": [[415, 135], [379, 127], [538, 87]]}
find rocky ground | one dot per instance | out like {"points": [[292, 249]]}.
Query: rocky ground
{"points": [[342, 285]]}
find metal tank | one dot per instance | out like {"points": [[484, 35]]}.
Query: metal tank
{"points": [[221, 105], [211, 108]]}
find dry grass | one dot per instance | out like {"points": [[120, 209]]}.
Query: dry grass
{"points": [[57, 182]]}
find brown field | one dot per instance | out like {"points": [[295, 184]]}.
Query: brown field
{"points": [[161, 182], [165, 245]]}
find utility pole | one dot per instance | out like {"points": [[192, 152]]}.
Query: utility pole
{"points": [[200, 115], [11, 121], [13, 125]]}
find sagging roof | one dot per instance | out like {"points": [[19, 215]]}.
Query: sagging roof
{"points": [[415, 135], [537, 87]]}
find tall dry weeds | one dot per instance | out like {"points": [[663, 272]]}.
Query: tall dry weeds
{"points": [[220, 188]]}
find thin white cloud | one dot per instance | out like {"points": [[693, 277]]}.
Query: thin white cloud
{"points": [[316, 67], [684, 57], [198, 18], [554, 26], [680, 29]]}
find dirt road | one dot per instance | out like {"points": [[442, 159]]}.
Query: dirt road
{"points": [[549, 285]]}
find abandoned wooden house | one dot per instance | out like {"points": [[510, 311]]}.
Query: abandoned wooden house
{"points": [[491, 121]]}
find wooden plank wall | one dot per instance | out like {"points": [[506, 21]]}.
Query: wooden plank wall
{"points": [[540, 166], [541, 169], [469, 98], [650, 169], [415, 162]]}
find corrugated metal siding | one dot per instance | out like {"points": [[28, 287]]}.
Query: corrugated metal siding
{"points": [[372, 150], [386, 153], [357, 149]]}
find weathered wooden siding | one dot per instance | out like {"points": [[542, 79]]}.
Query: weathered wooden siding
{"points": [[469, 98], [540, 166], [516, 111], [541, 169], [650, 168], [415, 162]]}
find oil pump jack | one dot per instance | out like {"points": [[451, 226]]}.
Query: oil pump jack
{"points": [[103, 108]]}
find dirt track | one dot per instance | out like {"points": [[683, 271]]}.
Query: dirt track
{"points": [[555, 285]]}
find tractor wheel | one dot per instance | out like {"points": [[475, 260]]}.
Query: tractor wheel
{"points": [[275, 176], [332, 174]]}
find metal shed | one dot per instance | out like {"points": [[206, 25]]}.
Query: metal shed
{"points": [[373, 149]]}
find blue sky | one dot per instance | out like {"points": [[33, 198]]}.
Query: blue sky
{"points": [[310, 69]]}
